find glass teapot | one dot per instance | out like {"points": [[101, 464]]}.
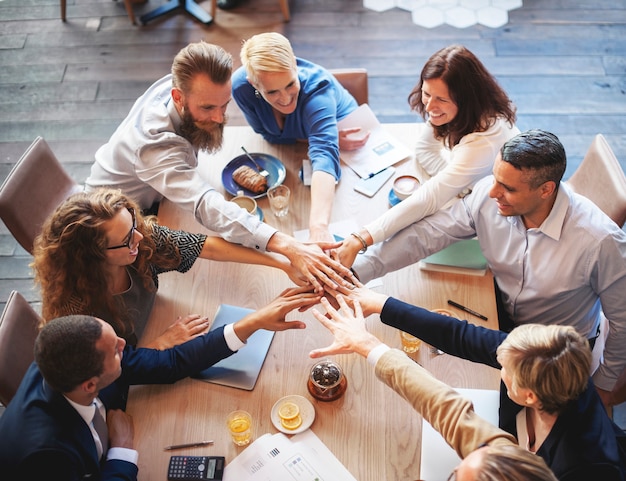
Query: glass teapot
{"points": [[326, 381]]}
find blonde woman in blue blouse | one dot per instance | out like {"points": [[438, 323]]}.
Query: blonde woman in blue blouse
{"points": [[288, 99]]}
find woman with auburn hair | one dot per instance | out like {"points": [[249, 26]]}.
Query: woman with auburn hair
{"points": [[98, 255], [468, 117]]}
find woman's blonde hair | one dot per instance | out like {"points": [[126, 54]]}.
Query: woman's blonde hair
{"points": [[70, 253], [552, 361], [267, 52]]}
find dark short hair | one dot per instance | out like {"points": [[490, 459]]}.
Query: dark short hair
{"points": [[66, 352], [537, 153]]}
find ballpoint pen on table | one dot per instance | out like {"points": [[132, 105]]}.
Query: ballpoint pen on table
{"points": [[188, 445], [468, 310]]}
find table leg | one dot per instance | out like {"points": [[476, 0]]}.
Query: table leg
{"points": [[189, 6]]}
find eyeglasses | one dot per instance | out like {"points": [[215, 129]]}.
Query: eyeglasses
{"points": [[452, 476], [129, 237]]}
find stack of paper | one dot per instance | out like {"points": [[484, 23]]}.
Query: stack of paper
{"points": [[438, 458], [381, 149], [275, 457]]}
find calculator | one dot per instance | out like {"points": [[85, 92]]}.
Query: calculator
{"points": [[188, 468]]}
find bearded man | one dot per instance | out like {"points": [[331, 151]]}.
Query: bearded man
{"points": [[153, 154]]}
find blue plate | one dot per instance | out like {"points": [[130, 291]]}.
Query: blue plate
{"points": [[393, 198], [268, 162]]}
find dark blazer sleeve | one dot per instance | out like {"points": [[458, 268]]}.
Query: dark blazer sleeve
{"points": [[60, 465], [151, 366], [453, 336]]}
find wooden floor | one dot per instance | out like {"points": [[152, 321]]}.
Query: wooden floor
{"points": [[563, 62]]}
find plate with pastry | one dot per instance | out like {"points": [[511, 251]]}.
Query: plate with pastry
{"points": [[241, 174]]}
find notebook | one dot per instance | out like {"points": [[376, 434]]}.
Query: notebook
{"points": [[462, 257], [242, 369], [438, 458]]}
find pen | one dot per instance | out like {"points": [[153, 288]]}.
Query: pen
{"points": [[467, 309], [372, 174], [189, 445]]}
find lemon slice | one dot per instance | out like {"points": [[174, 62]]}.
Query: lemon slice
{"points": [[293, 423], [289, 411]]}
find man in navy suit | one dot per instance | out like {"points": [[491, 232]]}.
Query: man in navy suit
{"points": [[50, 428], [47, 429]]}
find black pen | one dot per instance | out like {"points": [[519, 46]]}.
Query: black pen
{"points": [[467, 309], [190, 445], [372, 174]]}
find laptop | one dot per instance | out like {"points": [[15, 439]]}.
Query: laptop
{"points": [[242, 369]]}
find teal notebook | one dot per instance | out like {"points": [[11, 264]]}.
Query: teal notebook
{"points": [[463, 257]]}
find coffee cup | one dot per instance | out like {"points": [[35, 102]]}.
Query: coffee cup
{"points": [[405, 185], [245, 202]]}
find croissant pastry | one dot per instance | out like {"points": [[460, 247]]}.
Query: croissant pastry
{"points": [[250, 179]]}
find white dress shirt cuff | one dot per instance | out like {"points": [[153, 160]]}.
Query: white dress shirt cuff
{"points": [[123, 454], [376, 353], [233, 342]]}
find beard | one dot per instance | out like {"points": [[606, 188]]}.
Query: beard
{"points": [[208, 138]]}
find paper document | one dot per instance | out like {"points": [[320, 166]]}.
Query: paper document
{"points": [[438, 458], [275, 457], [381, 149]]}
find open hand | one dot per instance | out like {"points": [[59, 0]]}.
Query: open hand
{"points": [[348, 328], [316, 265], [121, 429], [183, 330], [371, 302], [349, 141], [272, 316]]}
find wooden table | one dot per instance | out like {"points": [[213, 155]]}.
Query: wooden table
{"points": [[371, 430]]}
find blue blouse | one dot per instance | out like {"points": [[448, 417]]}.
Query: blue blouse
{"points": [[322, 101]]}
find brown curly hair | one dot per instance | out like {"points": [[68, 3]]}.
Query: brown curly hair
{"points": [[476, 93], [70, 253]]}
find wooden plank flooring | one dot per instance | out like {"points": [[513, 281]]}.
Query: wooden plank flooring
{"points": [[563, 62]]}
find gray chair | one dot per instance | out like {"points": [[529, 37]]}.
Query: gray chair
{"points": [[354, 81], [36, 185], [601, 179], [19, 326]]}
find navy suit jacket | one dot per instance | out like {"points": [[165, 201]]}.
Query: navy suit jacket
{"points": [[583, 444], [43, 437]]}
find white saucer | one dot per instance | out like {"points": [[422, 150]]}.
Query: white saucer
{"points": [[307, 412]]}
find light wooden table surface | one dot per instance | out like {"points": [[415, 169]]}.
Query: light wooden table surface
{"points": [[371, 430]]}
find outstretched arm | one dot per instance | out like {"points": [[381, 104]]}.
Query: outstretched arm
{"points": [[322, 197], [445, 409], [218, 249]]}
